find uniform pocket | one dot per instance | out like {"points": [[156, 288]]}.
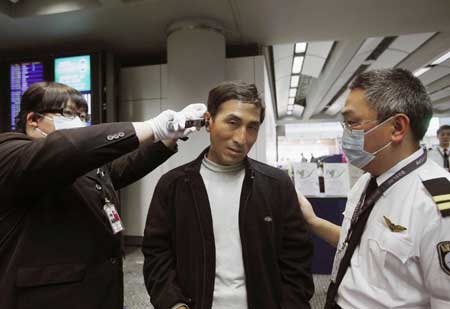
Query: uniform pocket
{"points": [[397, 246], [34, 276], [387, 254]]}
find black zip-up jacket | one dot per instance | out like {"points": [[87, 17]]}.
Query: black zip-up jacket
{"points": [[179, 245], [57, 249]]}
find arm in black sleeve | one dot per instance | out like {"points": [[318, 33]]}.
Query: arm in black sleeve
{"points": [[296, 255], [135, 165], [34, 165], [159, 264]]}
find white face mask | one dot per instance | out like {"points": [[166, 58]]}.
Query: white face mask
{"points": [[61, 122], [353, 146]]}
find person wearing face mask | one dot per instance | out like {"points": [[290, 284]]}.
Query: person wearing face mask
{"points": [[393, 248], [60, 232]]}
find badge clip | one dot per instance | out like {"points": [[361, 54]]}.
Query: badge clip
{"points": [[113, 217]]}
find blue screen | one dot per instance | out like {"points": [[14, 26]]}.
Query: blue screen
{"points": [[75, 72], [22, 75]]}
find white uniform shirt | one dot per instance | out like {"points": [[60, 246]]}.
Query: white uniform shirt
{"points": [[398, 269], [437, 155]]}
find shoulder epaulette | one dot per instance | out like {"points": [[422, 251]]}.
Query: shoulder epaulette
{"points": [[439, 189]]}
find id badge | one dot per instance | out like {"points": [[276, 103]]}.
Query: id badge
{"points": [[113, 217], [337, 261]]}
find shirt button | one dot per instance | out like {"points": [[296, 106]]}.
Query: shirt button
{"points": [[98, 187]]}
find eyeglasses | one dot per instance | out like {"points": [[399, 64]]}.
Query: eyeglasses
{"points": [[70, 114], [352, 125]]}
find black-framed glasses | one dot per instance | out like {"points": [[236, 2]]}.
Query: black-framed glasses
{"points": [[69, 114]]}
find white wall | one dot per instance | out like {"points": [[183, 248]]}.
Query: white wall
{"points": [[144, 95]]}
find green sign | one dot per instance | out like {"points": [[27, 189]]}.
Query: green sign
{"points": [[74, 72]]}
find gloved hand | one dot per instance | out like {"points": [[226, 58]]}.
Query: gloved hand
{"points": [[194, 111], [171, 125]]}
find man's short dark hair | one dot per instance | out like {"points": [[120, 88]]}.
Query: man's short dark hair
{"points": [[235, 90], [442, 128], [46, 97], [394, 91]]}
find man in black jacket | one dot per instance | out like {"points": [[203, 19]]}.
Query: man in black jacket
{"points": [[59, 247], [225, 231]]}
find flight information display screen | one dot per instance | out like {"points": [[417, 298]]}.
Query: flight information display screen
{"points": [[22, 75], [75, 72]]}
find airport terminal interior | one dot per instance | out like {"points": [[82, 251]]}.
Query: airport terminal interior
{"points": [[132, 59]]}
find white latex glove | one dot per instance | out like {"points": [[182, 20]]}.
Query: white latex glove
{"points": [[171, 125], [160, 125], [194, 111]]}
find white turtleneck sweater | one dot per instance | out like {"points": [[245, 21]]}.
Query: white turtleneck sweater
{"points": [[224, 185]]}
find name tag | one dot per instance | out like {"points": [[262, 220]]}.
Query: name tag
{"points": [[113, 217]]}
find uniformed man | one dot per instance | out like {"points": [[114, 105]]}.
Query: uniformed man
{"points": [[441, 152], [393, 249]]}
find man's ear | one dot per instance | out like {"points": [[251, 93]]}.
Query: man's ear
{"points": [[208, 120], [401, 128]]}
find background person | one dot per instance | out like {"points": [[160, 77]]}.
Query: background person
{"points": [[440, 153]]}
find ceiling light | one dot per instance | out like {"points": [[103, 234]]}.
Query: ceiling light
{"points": [[420, 71], [441, 59], [291, 101], [300, 47], [297, 65], [294, 81], [292, 92]]}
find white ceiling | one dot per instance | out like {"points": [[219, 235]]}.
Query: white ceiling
{"points": [[139, 26]]}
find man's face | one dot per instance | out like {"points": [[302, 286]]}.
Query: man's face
{"points": [[233, 131], [359, 115], [444, 137]]}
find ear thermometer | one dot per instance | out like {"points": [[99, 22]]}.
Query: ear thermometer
{"points": [[188, 124]]}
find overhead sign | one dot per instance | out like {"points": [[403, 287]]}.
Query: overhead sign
{"points": [[74, 72]]}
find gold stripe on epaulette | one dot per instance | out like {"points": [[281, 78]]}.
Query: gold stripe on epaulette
{"points": [[441, 198], [444, 206]]}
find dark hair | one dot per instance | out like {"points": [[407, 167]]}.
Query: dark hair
{"points": [[393, 91], [442, 128], [234, 90], [46, 97]]}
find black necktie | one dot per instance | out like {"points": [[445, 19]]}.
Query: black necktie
{"points": [[355, 237], [446, 159]]}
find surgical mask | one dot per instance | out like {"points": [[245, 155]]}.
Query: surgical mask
{"points": [[353, 146], [61, 122]]}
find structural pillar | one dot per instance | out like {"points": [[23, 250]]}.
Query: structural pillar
{"points": [[195, 64]]}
